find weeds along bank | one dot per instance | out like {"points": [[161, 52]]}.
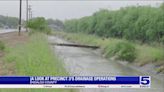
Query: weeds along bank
{"points": [[2, 46], [35, 58], [121, 49]]}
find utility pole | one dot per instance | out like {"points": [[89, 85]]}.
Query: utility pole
{"points": [[30, 12], [20, 16], [26, 15]]}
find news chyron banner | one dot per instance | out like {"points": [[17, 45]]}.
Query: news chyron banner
{"points": [[75, 82]]}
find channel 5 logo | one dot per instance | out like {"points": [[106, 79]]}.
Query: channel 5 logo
{"points": [[145, 80]]}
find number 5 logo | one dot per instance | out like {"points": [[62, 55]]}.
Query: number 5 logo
{"points": [[145, 80]]}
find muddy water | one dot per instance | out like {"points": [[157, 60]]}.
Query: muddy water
{"points": [[86, 62]]}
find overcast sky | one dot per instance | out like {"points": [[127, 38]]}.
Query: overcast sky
{"points": [[67, 9]]}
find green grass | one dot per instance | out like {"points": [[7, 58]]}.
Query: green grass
{"points": [[35, 58], [123, 50], [143, 53], [2, 46], [81, 38], [148, 54]]}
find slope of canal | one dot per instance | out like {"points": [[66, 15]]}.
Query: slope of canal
{"points": [[87, 62]]}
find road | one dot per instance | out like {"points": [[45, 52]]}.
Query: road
{"points": [[10, 30], [7, 30], [87, 62]]}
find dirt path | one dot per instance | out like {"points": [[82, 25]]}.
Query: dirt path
{"points": [[85, 62]]}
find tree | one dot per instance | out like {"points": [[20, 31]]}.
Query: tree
{"points": [[38, 24], [142, 23], [11, 22], [55, 24]]}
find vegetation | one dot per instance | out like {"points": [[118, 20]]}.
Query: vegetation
{"points": [[10, 22], [2, 46], [55, 24], [116, 31], [39, 24], [135, 23], [148, 54], [35, 58], [121, 49]]}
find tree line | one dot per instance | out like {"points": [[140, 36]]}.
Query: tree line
{"points": [[8, 22], [40, 23], [141, 23], [55, 24]]}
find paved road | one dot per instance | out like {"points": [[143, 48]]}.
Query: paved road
{"points": [[7, 30], [11, 30], [86, 62]]}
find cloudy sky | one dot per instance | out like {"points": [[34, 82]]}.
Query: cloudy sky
{"points": [[67, 9]]}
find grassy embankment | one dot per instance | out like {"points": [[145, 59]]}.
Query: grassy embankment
{"points": [[122, 49], [35, 58]]}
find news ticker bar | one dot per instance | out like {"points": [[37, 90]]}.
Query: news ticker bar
{"points": [[75, 82]]}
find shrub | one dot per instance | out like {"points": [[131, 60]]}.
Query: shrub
{"points": [[38, 24], [125, 51], [2, 46], [162, 40], [122, 49]]}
